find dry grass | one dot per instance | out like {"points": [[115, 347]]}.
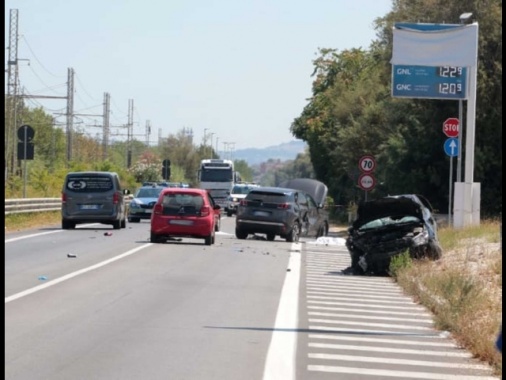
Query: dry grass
{"points": [[25, 221], [464, 288]]}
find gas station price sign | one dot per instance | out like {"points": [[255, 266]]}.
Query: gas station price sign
{"points": [[431, 82]]}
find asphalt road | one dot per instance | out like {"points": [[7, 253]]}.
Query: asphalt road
{"points": [[86, 304]]}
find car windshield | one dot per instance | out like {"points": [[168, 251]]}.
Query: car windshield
{"points": [[241, 190], [148, 193], [388, 221]]}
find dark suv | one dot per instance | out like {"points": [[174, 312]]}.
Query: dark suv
{"points": [[273, 211]]}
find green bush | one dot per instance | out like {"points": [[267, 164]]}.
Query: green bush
{"points": [[399, 262]]}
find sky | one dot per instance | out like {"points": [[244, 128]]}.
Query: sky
{"points": [[235, 72]]}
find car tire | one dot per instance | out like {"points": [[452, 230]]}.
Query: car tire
{"points": [[217, 226], [240, 234], [154, 238], [271, 237], [116, 224], [294, 234], [66, 225], [208, 240], [123, 223], [434, 250], [229, 213]]}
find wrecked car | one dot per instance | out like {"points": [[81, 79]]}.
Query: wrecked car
{"points": [[390, 226]]}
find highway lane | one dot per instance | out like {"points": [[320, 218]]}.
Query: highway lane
{"points": [[124, 308]]}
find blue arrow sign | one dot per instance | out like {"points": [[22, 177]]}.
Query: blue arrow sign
{"points": [[452, 147]]}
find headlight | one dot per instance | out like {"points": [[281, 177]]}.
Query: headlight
{"points": [[421, 237], [134, 204], [235, 199]]}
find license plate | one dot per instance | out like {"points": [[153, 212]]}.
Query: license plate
{"points": [[148, 211], [89, 207], [181, 222], [261, 213]]}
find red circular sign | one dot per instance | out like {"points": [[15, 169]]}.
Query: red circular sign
{"points": [[451, 127], [367, 164], [366, 181]]}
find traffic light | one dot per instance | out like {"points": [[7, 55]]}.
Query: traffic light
{"points": [[166, 169]]}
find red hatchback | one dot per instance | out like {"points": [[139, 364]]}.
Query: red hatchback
{"points": [[184, 212]]}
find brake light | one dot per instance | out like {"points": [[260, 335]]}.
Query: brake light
{"points": [[205, 211], [63, 197], [158, 209], [243, 202], [115, 198], [284, 206]]}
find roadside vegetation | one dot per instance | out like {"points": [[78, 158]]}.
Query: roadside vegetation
{"points": [[464, 289]]}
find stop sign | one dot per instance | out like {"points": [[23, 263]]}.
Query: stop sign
{"points": [[451, 127]]}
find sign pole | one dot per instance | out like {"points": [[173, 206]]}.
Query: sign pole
{"points": [[25, 143], [450, 195]]}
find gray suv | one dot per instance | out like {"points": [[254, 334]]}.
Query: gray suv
{"points": [[277, 211], [93, 197]]}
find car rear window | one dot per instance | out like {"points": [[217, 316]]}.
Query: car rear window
{"points": [[182, 204], [267, 197], [89, 184]]}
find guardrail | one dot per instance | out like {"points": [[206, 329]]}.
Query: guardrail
{"points": [[24, 205]]}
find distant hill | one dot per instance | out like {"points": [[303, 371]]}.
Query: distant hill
{"points": [[283, 152]]}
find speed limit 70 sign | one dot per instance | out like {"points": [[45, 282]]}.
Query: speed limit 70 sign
{"points": [[367, 164]]}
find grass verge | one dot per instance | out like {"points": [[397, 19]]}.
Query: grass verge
{"points": [[463, 289]]}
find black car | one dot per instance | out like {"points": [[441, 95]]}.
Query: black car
{"points": [[277, 211], [318, 191], [389, 226]]}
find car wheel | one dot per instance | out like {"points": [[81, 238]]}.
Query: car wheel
{"points": [[217, 226], [293, 235], [123, 223], [154, 238], [229, 213], [66, 225], [239, 234], [116, 224], [208, 240], [434, 250], [271, 236]]}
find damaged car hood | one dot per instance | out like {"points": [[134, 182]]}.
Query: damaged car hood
{"points": [[318, 190], [394, 206]]}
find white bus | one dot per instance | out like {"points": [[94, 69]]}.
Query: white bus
{"points": [[217, 176]]}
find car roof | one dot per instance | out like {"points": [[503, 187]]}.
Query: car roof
{"points": [[183, 190], [316, 189]]}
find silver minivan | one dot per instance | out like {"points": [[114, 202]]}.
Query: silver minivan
{"points": [[93, 197]]}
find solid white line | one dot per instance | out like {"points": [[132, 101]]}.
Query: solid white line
{"points": [[74, 274], [374, 312], [426, 363], [402, 374], [32, 235], [381, 325], [439, 343], [391, 350], [280, 361], [375, 317]]}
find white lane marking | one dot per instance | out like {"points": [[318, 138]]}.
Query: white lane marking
{"points": [[329, 292], [440, 343], [391, 350], [374, 317], [400, 374], [32, 235], [426, 363], [381, 325], [74, 274], [373, 331], [413, 308], [280, 361], [364, 301], [46, 233], [374, 312]]}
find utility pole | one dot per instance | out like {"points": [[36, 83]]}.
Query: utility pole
{"points": [[12, 91], [130, 132], [106, 126], [70, 113], [148, 131]]}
